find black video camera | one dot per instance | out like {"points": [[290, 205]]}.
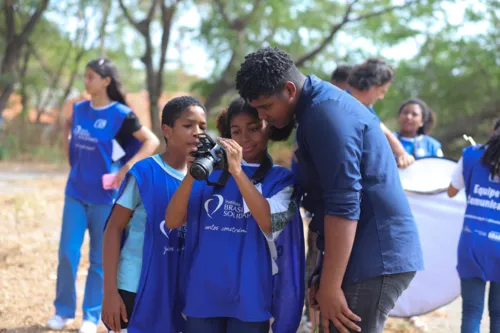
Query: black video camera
{"points": [[209, 157]]}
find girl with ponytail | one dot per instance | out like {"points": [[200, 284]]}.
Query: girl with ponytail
{"points": [[103, 139], [478, 171]]}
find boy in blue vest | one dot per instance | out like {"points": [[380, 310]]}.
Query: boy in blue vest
{"points": [[478, 171], [366, 231], [142, 257]]}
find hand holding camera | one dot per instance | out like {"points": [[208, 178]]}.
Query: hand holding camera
{"points": [[234, 155]]}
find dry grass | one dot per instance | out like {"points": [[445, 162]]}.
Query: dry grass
{"points": [[29, 234], [30, 221]]}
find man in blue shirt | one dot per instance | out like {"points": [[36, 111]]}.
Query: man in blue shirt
{"points": [[366, 231]]}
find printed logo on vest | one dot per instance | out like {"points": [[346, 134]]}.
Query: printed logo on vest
{"points": [[494, 179], [494, 236], [164, 230], [100, 123], [231, 208], [220, 201]]}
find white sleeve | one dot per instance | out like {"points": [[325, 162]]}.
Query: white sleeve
{"points": [[457, 178], [283, 209]]}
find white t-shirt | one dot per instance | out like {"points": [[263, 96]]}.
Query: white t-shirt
{"points": [[457, 178]]}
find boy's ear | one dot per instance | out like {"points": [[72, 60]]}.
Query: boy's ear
{"points": [[167, 131]]}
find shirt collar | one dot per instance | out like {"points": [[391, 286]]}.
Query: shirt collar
{"points": [[305, 96]]}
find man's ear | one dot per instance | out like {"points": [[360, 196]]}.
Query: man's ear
{"points": [[291, 89]]}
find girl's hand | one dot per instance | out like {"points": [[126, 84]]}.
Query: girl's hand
{"points": [[120, 176], [234, 155], [112, 308]]}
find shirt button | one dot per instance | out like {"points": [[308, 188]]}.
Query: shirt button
{"points": [[305, 194]]}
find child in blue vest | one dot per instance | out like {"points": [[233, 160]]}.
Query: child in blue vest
{"points": [[106, 140], [141, 270], [415, 120], [478, 171], [232, 235]]}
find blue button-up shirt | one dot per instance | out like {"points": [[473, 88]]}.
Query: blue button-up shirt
{"points": [[347, 169]]}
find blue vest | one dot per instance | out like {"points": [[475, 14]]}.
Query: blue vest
{"points": [[159, 299], [91, 148], [421, 146], [479, 246], [289, 283], [230, 271]]}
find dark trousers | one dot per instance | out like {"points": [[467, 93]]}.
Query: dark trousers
{"points": [[225, 325], [129, 300], [373, 299]]}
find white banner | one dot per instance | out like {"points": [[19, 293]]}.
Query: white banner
{"points": [[439, 220]]}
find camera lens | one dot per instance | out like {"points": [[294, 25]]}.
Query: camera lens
{"points": [[201, 168]]}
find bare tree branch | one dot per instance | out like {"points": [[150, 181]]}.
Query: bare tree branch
{"points": [[127, 14], [28, 27], [46, 68], [345, 20], [251, 15], [222, 11], [8, 7], [167, 14]]}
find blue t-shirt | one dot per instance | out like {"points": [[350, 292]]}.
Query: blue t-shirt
{"points": [[160, 293], [349, 171], [230, 271], [91, 150], [421, 146], [130, 264]]}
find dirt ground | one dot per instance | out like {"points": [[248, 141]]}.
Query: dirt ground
{"points": [[31, 200]]}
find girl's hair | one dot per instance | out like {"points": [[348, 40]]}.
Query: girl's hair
{"points": [[238, 106], [373, 72], [491, 156], [175, 107], [105, 68], [428, 116]]}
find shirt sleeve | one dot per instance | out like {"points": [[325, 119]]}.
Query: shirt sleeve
{"points": [[333, 135], [457, 178], [130, 197], [130, 125], [283, 209]]}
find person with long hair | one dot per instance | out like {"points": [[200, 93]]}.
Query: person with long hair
{"points": [[478, 172], [368, 83], [232, 229], [106, 140], [141, 274], [415, 120]]}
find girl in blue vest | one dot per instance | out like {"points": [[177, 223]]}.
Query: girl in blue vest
{"points": [[141, 271], [415, 120], [230, 279], [478, 171], [106, 140]]}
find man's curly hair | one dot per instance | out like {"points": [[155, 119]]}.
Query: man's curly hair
{"points": [[264, 73]]}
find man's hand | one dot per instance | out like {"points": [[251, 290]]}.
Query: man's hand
{"points": [[333, 307], [313, 291], [405, 160]]}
